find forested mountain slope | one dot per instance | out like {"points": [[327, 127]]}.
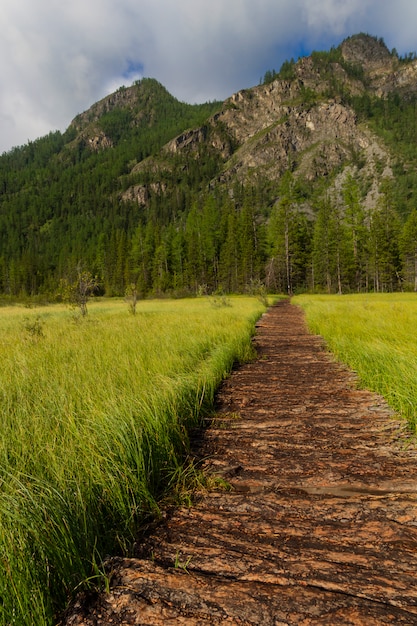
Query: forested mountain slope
{"points": [[306, 181]]}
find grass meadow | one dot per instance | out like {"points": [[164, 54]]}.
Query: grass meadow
{"points": [[94, 418], [375, 335]]}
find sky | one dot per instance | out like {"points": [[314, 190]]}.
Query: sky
{"points": [[58, 58]]}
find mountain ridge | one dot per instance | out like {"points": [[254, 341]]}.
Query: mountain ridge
{"points": [[267, 141], [140, 178]]}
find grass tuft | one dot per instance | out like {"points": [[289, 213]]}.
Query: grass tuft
{"points": [[374, 334]]}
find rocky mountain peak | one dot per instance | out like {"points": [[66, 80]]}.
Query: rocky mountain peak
{"points": [[368, 51], [384, 71]]}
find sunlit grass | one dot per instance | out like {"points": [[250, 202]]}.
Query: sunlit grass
{"points": [[94, 424], [375, 335]]}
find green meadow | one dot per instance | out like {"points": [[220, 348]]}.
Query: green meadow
{"points": [[376, 336], [95, 414], [95, 418]]}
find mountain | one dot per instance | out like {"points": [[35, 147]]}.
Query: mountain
{"points": [[306, 181]]}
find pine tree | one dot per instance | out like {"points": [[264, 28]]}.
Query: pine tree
{"points": [[285, 235], [142, 248], [247, 244], [408, 248], [210, 224], [384, 242], [323, 248], [356, 230], [229, 253], [178, 260], [194, 251]]}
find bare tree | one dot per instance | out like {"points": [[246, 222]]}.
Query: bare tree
{"points": [[131, 297], [78, 289]]}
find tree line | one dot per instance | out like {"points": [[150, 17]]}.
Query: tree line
{"points": [[347, 249], [224, 243]]}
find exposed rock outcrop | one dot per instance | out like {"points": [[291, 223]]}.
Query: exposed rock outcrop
{"points": [[299, 123]]}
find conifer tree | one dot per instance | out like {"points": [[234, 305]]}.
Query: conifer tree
{"points": [[323, 248], [408, 248], [142, 247], [384, 242], [284, 234], [194, 252], [247, 244], [229, 253], [210, 223], [356, 231]]}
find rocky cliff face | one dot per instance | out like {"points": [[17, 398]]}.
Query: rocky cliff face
{"points": [[275, 133], [301, 124]]}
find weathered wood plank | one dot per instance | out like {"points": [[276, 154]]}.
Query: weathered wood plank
{"points": [[321, 524]]}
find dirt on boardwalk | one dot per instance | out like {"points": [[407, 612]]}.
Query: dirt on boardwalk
{"points": [[320, 526]]}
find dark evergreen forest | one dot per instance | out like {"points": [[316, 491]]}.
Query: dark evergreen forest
{"points": [[61, 207]]}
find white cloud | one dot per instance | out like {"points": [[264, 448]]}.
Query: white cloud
{"points": [[56, 59]]}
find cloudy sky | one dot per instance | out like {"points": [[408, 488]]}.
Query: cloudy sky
{"points": [[57, 58]]}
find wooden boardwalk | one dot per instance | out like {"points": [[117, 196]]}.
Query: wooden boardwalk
{"points": [[320, 526]]}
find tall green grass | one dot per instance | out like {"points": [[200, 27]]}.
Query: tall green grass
{"points": [[94, 417], [375, 335]]}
